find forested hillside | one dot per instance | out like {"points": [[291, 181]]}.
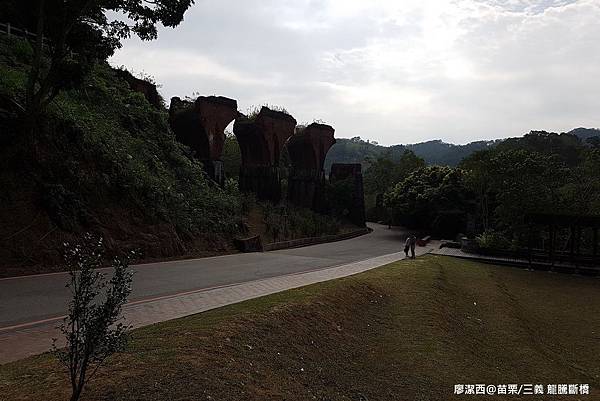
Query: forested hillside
{"points": [[493, 193], [434, 152]]}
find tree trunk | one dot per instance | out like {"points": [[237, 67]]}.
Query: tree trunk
{"points": [[76, 393], [32, 101]]}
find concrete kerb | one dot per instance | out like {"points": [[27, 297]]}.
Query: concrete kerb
{"points": [[315, 240]]}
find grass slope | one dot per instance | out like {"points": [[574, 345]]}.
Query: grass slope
{"points": [[407, 331]]}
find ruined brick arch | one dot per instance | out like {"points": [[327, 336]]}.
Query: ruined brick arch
{"points": [[200, 125], [302, 156], [188, 128], [253, 144], [307, 149], [261, 143]]}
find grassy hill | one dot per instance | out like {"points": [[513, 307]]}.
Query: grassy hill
{"points": [[407, 331]]}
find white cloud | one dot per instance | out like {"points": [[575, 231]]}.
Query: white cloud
{"points": [[458, 70]]}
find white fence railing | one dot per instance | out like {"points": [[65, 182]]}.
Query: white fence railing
{"points": [[10, 30]]}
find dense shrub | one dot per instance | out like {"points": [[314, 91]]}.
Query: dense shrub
{"points": [[433, 197], [285, 222], [493, 240], [124, 150]]}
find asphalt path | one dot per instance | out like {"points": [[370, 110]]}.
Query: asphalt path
{"points": [[29, 299]]}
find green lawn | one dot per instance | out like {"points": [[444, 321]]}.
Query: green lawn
{"points": [[406, 331]]}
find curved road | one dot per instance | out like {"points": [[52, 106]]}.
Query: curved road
{"points": [[35, 298]]}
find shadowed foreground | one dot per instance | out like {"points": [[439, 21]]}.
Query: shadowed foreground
{"points": [[410, 330]]}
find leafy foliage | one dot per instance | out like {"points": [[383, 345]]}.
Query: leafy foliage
{"points": [[141, 161], [433, 197], [253, 111], [71, 36], [493, 240], [284, 222], [92, 327], [354, 150], [566, 147], [105, 151], [232, 156], [357, 150], [524, 182], [383, 173], [539, 173]]}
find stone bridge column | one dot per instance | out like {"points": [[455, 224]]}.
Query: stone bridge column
{"points": [[261, 141], [200, 125], [307, 149], [353, 173]]}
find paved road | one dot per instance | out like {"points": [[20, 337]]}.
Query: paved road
{"points": [[24, 300]]}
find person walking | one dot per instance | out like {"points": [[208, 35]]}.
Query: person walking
{"points": [[413, 243], [409, 245]]}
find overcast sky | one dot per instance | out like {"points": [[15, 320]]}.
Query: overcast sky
{"points": [[390, 71]]}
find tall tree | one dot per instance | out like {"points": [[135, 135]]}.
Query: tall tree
{"points": [[434, 198], [520, 182], [71, 35], [383, 172], [477, 178]]}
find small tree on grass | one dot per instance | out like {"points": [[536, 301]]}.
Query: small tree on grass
{"points": [[93, 326]]}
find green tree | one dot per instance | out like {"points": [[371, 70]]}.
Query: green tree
{"points": [[434, 198], [525, 182], [92, 327], [477, 169], [232, 156], [565, 147], [73, 34], [594, 142], [581, 193], [383, 172]]}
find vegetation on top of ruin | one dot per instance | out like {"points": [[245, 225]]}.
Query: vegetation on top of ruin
{"points": [[253, 111]]}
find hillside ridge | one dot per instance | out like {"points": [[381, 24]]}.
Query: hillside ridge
{"points": [[434, 151]]}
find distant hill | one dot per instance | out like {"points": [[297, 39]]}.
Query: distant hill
{"points": [[585, 133], [357, 150], [442, 153]]}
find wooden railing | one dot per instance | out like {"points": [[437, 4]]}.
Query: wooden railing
{"points": [[8, 29]]}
